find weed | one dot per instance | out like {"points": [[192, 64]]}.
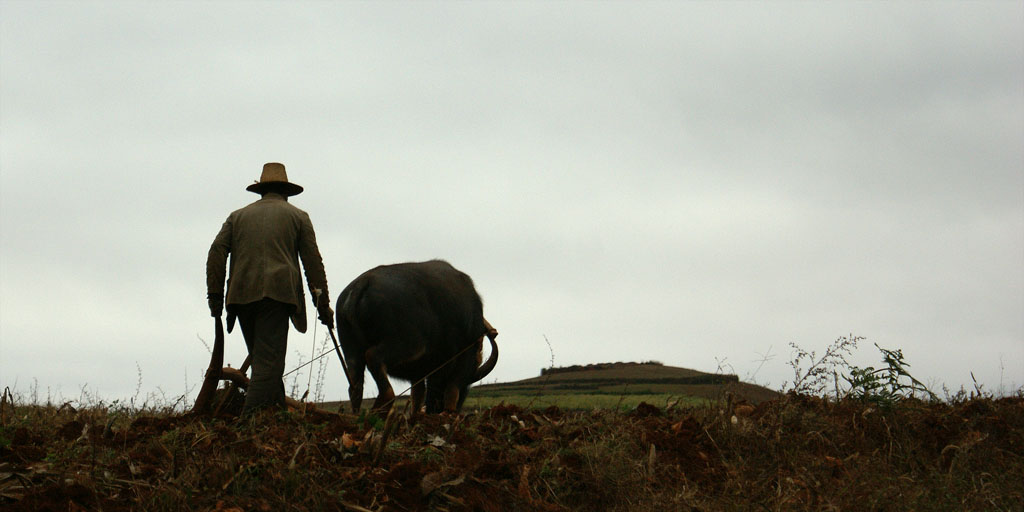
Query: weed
{"points": [[429, 456], [370, 419], [887, 385], [811, 374], [551, 367], [764, 358]]}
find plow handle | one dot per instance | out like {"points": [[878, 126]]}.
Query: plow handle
{"points": [[213, 373]]}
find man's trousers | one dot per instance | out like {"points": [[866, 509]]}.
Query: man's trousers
{"points": [[264, 326]]}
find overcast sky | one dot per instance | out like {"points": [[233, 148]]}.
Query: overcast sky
{"points": [[695, 183]]}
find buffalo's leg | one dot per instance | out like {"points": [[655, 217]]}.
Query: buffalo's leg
{"points": [[451, 397], [463, 391], [419, 391], [435, 395], [378, 370], [356, 369]]}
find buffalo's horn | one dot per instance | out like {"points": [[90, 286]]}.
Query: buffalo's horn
{"points": [[492, 360]]}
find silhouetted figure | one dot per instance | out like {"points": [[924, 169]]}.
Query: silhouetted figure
{"points": [[266, 240]]}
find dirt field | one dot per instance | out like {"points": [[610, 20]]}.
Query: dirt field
{"points": [[793, 453]]}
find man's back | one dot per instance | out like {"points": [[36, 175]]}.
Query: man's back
{"points": [[266, 239]]}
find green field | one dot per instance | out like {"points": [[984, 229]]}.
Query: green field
{"points": [[608, 386], [578, 401], [614, 386]]}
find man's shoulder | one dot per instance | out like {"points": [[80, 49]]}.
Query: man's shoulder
{"points": [[288, 207], [269, 204]]}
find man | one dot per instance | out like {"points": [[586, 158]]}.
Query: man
{"points": [[266, 239]]}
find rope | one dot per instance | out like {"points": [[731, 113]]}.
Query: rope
{"points": [[328, 351], [435, 370], [312, 350], [303, 365]]}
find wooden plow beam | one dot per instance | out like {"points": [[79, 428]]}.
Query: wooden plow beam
{"points": [[235, 377]]}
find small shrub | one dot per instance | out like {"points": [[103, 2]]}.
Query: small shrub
{"points": [[811, 374], [886, 385]]}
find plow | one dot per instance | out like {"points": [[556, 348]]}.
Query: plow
{"points": [[236, 378]]}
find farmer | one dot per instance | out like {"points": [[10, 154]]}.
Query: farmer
{"points": [[266, 240]]}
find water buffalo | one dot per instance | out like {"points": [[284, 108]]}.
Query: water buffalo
{"points": [[421, 322]]}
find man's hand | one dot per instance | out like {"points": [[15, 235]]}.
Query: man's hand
{"points": [[326, 315], [216, 302], [323, 307]]}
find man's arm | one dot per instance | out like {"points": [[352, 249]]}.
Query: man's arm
{"points": [[216, 263], [313, 265]]}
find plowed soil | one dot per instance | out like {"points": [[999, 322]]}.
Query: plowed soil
{"points": [[794, 453]]}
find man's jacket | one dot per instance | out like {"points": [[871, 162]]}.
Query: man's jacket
{"points": [[266, 240]]}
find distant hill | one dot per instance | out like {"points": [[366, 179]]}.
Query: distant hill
{"points": [[606, 386], [612, 384]]}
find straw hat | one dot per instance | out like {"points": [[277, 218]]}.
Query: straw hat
{"points": [[274, 177]]}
